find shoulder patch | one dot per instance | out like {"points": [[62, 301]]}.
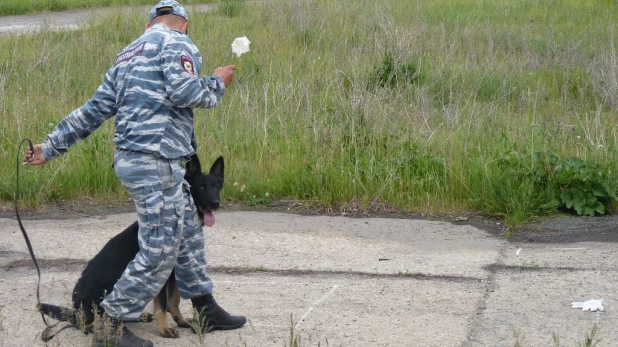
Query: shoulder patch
{"points": [[187, 64]]}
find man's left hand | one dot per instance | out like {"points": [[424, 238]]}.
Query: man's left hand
{"points": [[36, 157]]}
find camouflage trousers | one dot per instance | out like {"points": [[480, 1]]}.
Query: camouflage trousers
{"points": [[170, 235]]}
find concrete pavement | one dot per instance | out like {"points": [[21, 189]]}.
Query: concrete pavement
{"points": [[339, 281]]}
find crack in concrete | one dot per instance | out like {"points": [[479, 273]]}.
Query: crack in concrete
{"points": [[494, 268], [69, 264], [490, 286], [360, 274]]}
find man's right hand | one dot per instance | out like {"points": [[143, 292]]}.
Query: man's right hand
{"points": [[226, 72], [36, 157]]}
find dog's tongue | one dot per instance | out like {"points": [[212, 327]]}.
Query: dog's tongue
{"points": [[209, 219]]}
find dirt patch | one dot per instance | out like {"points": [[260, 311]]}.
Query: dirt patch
{"points": [[563, 228], [87, 207]]}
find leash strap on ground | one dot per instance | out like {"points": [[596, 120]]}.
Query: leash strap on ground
{"points": [[46, 335]]}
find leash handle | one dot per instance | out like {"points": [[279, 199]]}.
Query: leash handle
{"points": [[31, 147]]}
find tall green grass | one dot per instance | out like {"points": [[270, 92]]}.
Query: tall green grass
{"points": [[432, 106]]}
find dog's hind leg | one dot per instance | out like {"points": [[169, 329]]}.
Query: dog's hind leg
{"points": [[173, 302], [160, 314]]}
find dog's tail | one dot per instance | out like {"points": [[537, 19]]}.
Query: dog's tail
{"points": [[63, 314]]}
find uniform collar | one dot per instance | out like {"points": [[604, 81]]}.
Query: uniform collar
{"points": [[163, 27], [159, 26]]}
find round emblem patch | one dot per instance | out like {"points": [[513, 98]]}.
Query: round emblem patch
{"points": [[187, 64]]}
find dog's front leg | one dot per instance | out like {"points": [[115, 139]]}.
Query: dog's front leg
{"points": [[160, 314]]}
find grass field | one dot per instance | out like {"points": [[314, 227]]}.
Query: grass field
{"points": [[503, 107]]}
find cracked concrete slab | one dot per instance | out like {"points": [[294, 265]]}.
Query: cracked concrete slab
{"points": [[374, 245], [532, 306], [321, 275], [443, 284], [345, 310]]}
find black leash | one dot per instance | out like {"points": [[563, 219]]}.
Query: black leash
{"points": [[46, 335]]}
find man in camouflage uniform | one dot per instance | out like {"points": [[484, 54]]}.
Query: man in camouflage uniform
{"points": [[151, 90]]}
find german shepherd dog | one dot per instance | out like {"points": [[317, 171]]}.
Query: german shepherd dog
{"points": [[104, 270]]}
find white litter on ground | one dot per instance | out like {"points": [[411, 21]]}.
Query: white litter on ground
{"points": [[517, 253], [591, 305]]}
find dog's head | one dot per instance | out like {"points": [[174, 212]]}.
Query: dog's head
{"points": [[205, 188]]}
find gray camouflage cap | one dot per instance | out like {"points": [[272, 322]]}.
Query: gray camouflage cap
{"points": [[174, 8]]}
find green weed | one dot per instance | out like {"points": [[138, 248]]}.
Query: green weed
{"points": [[295, 339], [583, 188], [519, 339], [197, 323], [393, 74], [590, 340], [260, 268], [404, 273]]}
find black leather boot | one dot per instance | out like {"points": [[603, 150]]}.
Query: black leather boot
{"points": [[116, 334], [213, 317]]}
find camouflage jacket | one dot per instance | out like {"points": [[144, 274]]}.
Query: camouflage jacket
{"points": [[151, 89]]}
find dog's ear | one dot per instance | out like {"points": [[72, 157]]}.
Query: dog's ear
{"points": [[217, 168], [193, 166]]}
